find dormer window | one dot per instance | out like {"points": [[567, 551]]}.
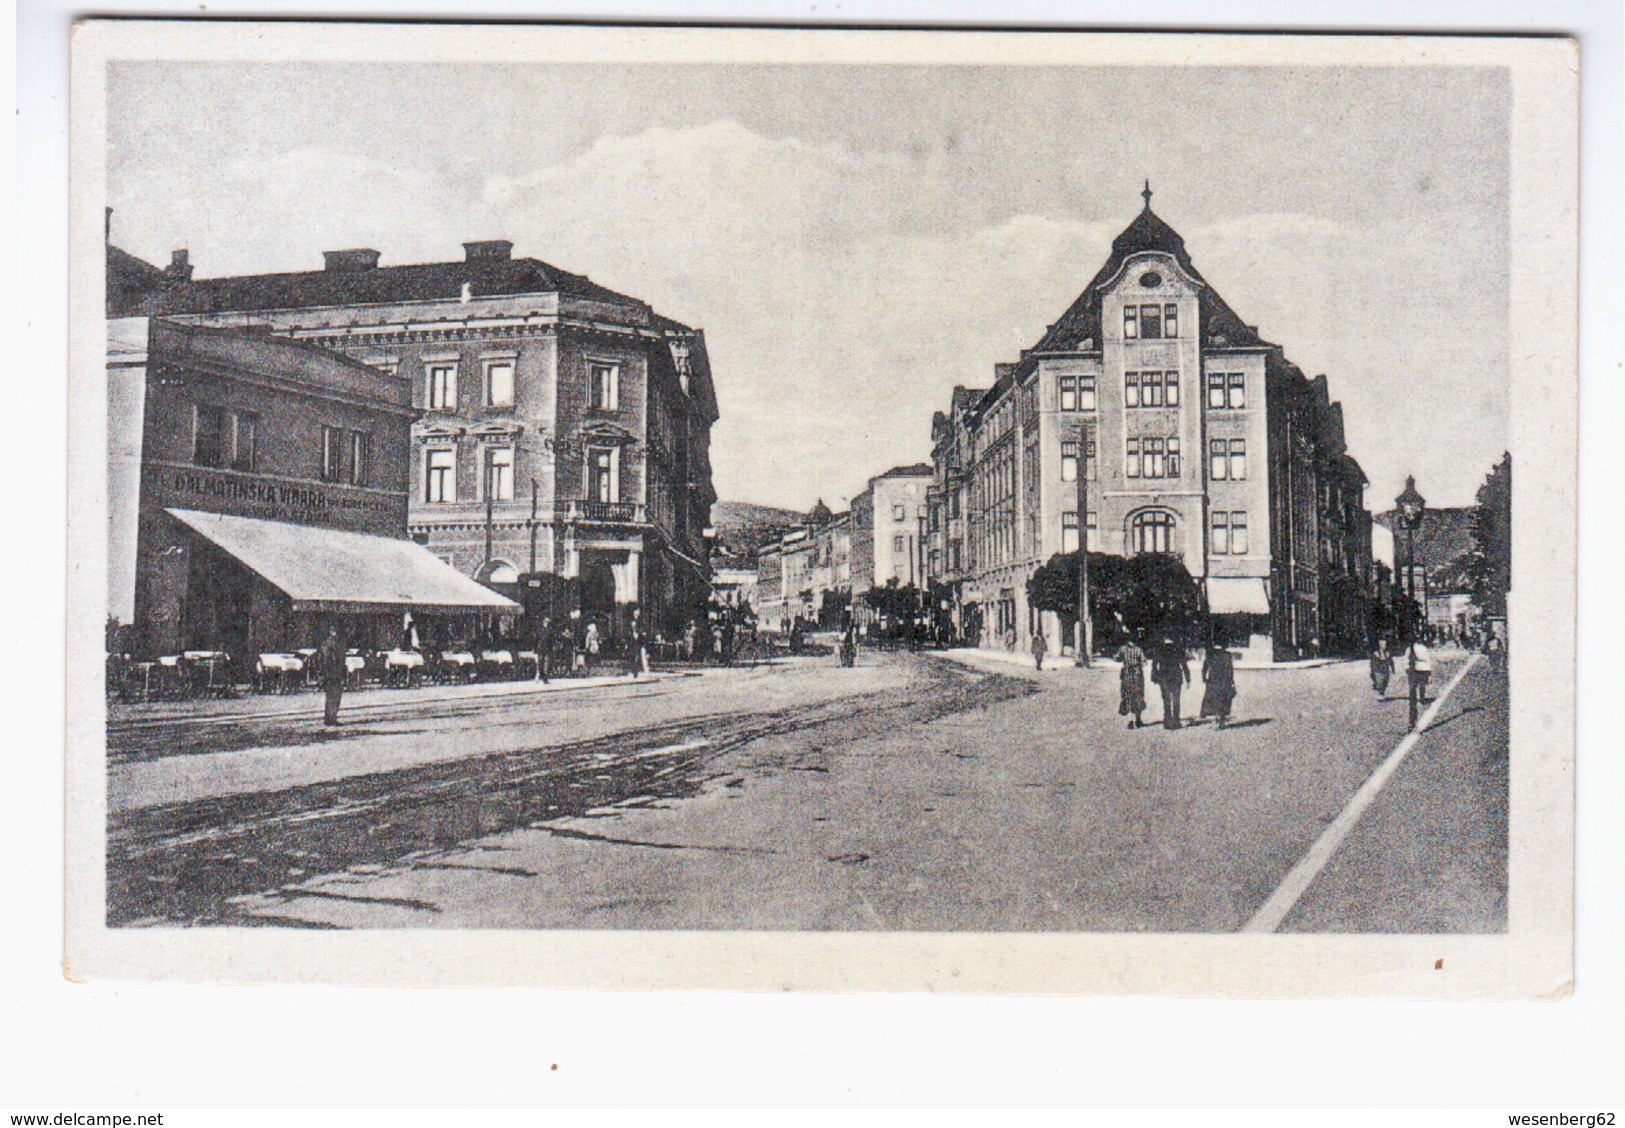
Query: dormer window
{"points": [[1151, 322]]}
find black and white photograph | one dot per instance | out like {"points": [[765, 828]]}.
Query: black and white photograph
{"points": [[750, 494]]}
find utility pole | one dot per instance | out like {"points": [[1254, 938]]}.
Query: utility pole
{"points": [[1084, 643], [490, 476], [533, 500]]}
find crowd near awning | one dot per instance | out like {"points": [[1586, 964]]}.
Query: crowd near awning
{"points": [[332, 570], [1232, 595]]}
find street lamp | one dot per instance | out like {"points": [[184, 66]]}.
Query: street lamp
{"points": [[1410, 506]]}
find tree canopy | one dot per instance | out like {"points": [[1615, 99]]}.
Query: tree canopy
{"points": [[1137, 595], [1489, 564]]}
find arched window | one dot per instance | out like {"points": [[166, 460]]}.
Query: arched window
{"points": [[499, 572], [1152, 531]]}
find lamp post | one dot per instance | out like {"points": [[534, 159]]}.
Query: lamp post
{"points": [[1410, 506]]}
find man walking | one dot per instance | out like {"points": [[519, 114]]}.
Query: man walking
{"points": [[637, 658], [1418, 669], [333, 670], [1170, 669], [544, 648], [1040, 647]]}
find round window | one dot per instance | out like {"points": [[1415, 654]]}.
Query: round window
{"points": [[1151, 280]]}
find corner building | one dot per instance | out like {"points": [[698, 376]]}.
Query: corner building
{"points": [[561, 427], [1194, 437]]}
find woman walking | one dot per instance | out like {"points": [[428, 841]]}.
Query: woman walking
{"points": [[1131, 684], [1382, 668], [1219, 675]]}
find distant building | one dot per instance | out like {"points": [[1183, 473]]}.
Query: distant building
{"points": [[807, 575], [1194, 437], [948, 503], [889, 526], [1442, 544], [562, 427]]}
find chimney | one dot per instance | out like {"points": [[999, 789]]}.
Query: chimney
{"points": [[490, 250], [357, 259], [179, 269], [107, 226]]}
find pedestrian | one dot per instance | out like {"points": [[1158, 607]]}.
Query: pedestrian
{"points": [[849, 645], [1040, 647], [1382, 668], [1170, 669], [727, 641], [333, 670], [691, 634], [1418, 669], [1496, 651], [590, 644], [1131, 683], [544, 648], [637, 656], [1219, 675]]}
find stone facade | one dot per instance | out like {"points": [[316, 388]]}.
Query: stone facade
{"points": [[563, 428], [1149, 418]]}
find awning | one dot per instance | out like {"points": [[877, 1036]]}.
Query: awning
{"points": [[1232, 595], [332, 570]]}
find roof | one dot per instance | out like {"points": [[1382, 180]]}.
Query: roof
{"points": [[378, 285], [1148, 232], [917, 470], [330, 569]]}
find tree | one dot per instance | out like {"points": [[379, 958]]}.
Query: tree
{"points": [[1489, 564], [1137, 595], [898, 603]]}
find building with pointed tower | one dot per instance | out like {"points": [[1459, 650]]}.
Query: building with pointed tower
{"points": [[1183, 432]]}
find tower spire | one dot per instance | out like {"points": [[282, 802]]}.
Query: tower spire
{"points": [[1147, 193]]}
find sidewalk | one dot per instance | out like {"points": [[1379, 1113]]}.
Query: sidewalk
{"points": [[1065, 661], [309, 703]]}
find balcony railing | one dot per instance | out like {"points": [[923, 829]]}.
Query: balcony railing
{"points": [[605, 512]]}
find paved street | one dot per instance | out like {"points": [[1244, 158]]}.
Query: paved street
{"points": [[914, 792]]}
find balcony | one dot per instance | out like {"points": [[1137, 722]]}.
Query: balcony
{"points": [[604, 512]]}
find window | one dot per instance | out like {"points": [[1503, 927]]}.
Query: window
{"points": [[499, 473], [1218, 465], [499, 383], [1153, 532], [1091, 532], [921, 511], [1173, 458], [897, 544], [1069, 532], [360, 460], [442, 387], [1238, 459], [1170, 384], [1219, 542], [1131, 323], [1131, 464], [1170, 320], [1131, 389], [1091, 460], [1226, 390], [601, 476], [1069, 393], [1150, 389], [1154, 449], [245, 430], [606, 386], [1238, 533], [899, 513], [208, 436], [332, 454], [441, 476], [1069, 461], [1150, 322], [1086, 393]]}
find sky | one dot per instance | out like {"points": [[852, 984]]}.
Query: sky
{"points": [[855, 241]]}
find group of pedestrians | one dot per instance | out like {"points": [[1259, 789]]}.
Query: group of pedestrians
{"points": [[1170, 668]]}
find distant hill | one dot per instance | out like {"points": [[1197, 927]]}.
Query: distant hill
{"points": [[743, 528]]}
